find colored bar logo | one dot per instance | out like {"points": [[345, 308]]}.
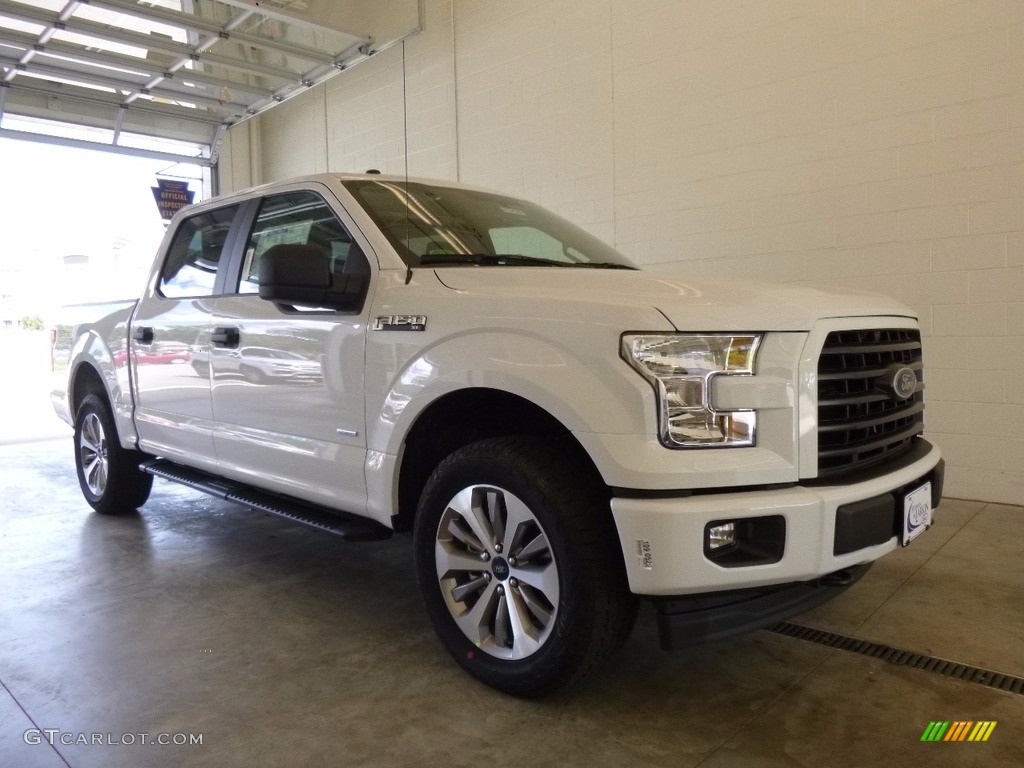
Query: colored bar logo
{"points": [[958, 730]]}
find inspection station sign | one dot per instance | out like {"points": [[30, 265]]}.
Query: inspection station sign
{"points": [[171, 197]]}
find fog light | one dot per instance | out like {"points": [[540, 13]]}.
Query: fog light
{"points": [[745, 541], [719, 536]]}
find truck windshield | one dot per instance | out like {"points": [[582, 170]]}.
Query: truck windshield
{"points": [[443, 226]]}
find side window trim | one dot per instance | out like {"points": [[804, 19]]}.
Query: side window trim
{"points": [[245, 220]]}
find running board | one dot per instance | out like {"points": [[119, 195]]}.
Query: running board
{"points": [[347, 526]]}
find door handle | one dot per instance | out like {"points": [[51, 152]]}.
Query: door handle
{"points": [[225, 337], [143, 334]]}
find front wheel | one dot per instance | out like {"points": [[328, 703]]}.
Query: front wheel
{"points": [[109, 475], [520, 567]]}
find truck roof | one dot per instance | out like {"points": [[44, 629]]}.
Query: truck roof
{"points": [[332, 179]]}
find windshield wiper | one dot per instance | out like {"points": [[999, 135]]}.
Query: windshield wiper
{"points": [[488, 260], [511, 259], [603, 265]]}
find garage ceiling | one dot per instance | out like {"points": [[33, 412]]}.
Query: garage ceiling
{"points": [[162, 78]]}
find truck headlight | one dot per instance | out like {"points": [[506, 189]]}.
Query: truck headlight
{"points": [[681, 368]]}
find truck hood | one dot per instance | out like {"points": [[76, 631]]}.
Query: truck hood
{"points": [[688, 304]]}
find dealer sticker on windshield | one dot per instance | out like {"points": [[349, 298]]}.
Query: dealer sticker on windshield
{"points": [[917, 513]]}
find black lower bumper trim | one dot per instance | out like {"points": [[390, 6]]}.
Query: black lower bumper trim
{"points": [[698, 619], [874, 521]]}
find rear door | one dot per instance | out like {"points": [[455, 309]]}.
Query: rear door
{"points": [[287, 384], [170, 340]]}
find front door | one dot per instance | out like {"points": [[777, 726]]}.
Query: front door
{"points": [[287, 383]]}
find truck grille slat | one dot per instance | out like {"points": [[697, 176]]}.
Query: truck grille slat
{"points": [[861, 349], [859, 373], [866, 424], [876, 397], [887, 445], [861, 422]]}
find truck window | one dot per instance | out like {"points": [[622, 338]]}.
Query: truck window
{"points": [[534, 242], [194, 255], [425, 223], [299, 218]]}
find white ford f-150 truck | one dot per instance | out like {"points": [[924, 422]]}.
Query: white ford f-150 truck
{"points": [[562, 432]]}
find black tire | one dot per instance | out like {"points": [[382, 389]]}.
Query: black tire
{"points": [[108, 474], [558, 634]]}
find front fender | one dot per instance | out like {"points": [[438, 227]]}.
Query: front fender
{"points": [[586, 389]]}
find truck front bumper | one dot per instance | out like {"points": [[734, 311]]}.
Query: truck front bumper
{"points": [[808, 531], [699, 619]]}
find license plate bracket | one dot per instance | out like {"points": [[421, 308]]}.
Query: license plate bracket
{"points": [[917, 513]]}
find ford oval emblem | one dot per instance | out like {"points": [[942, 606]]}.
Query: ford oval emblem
{"points": [[903, 383]]}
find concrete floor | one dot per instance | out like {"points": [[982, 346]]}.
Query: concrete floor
{"points": [[287, 647]]}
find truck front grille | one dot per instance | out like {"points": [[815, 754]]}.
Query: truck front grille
{"points": [[861, 420]]}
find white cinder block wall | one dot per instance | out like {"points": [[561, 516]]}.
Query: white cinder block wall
{"points": [[875, 144]]}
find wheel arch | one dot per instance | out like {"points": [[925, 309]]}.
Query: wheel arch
{"points": [[88, 378], [85, 381], [466, 416]]}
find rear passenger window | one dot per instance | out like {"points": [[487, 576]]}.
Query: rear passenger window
{"points": [[299, 218], [192, 260]]}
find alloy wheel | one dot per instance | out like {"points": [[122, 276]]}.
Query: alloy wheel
{"points": [[497, 572], [92, 446]]}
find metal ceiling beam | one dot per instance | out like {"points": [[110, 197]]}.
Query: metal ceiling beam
{"points": [[320, 74], [282, 14], [109, 81], [249, 67], [62, 141], [83, 115], [137, 129], [118, 125], [113, 103], [347, 58], [139, 40], [194, 23], [116, 92], [205, 44], [45, 18], [218, 137], [24, 41]]}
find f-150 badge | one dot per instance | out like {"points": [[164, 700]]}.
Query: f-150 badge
{"points": [[400, 323]]}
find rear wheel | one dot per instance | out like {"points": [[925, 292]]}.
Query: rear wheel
{"points": [[520, 567], [109, 475]]}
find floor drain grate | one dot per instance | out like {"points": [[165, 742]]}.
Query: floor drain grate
{"points": [[921, 661]]}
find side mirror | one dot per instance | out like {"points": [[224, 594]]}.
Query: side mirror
{"points": [[300, 275]]}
